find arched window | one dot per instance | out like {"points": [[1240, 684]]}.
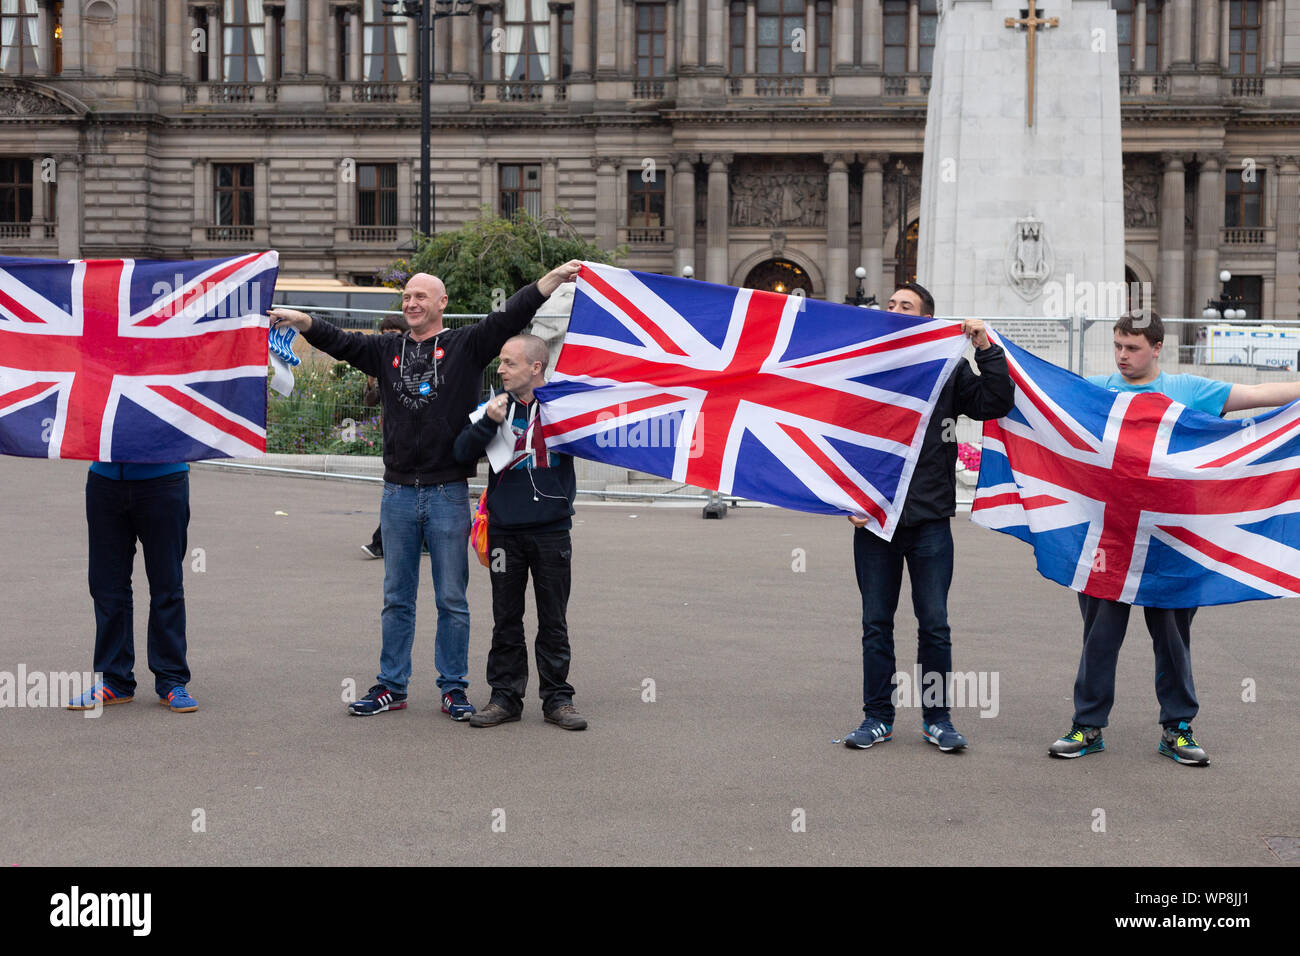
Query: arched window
{"points": [[243, 41], [383, 45], [1243, 36], [528, 41], [777, 21], [19, 51]]}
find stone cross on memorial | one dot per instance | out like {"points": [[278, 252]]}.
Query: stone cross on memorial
{"points": [[1030, 21]]}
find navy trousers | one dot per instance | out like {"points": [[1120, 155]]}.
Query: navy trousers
{"points": [[1104, 626], [155, 512]]}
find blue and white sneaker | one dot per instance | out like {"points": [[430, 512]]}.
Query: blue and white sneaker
{"points": [[456, 705], [871, 731], [179, 701], [943, 736], [377, 700], [95, 696]]}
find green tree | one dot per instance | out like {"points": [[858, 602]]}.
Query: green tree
{"points": [[492, 253]]}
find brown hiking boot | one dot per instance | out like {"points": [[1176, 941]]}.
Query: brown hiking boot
{"points": [[491, 715], [567, 717]]}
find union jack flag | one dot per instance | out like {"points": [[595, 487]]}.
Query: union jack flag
{"points": [[798, 403], [119, 360], [1130, 496]]}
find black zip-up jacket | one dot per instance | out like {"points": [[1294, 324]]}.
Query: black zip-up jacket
{"points": [[990, 394], [427, 389], [510, 504]]}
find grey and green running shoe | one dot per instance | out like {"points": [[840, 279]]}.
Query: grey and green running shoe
{"points": [[1178, 743], [1079, 741]]}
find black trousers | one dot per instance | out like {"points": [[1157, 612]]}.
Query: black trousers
{"points": [[156, 512], [548, 557], [1104, 626]]}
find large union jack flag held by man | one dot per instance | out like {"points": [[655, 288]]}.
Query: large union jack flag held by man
{"points": [[1130, 496], [798, 403], [119, 360]]}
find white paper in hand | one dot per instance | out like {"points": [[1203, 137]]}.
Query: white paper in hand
{"points": [[501, 449]]}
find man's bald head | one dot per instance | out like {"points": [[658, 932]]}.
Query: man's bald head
{"points": [[423, 302]]}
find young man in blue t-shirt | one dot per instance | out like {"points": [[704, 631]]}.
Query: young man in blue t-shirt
{"points": [[1138, 342]]}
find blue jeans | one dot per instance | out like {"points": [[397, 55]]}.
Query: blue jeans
{"points": [[155, 512], [927, 550], [437, 515]]}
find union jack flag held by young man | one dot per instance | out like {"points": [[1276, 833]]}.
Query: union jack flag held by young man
{"points": [[1130, 496], [798, 403], [134, 361]]}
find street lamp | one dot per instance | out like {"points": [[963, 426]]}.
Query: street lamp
{"points": [[858, 299], [1224, 305], [688, 272], [425, 13]]}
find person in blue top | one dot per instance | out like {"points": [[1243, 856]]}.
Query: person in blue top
{"points": [[126, 503], [1138, 341]]}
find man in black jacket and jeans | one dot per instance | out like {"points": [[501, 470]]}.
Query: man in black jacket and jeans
{"points": [[530, 509], [923, 540], [429, 380]]}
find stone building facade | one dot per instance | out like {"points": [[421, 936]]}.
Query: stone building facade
{"points": [[763, 142]]}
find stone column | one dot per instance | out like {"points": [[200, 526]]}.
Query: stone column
{"points": [[356, 65], [72, 40], [441, 47], [1171, 278], [670, 38], [412, 64], [331, 64], [684, 211], [627, 34], [548, 186], [810, 38], [555, 68], [913, 35], [1207, 23], [607, 38], [873, 225], [68, 213], [1286, 303], [1209, 210], [716, 20], [1272, 28], [487, 184], [464, 42], [214, 43], [1225, 37], [1166, 36], [837, 226], [1182, 54], [406, 199], [582, 70], [690, 35], [751, 37], [293, 36], [320, 18], [262, 192], [1139, 38], [39, 190], [606, 201], [871, 28], [201, 177], [716, 256], [842, 35]]}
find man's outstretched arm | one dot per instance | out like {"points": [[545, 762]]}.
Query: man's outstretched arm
{"points": [[1264, 395], [355, 348]]}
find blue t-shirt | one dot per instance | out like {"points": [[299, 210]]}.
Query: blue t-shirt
{"points": [[1203, 394]]}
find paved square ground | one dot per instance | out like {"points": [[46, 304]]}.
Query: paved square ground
{"points": [[756, 670]]}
